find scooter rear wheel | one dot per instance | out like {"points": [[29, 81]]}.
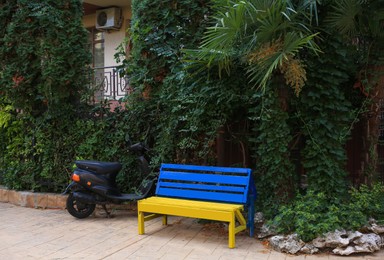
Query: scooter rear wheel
{"points": [[79, 209]]}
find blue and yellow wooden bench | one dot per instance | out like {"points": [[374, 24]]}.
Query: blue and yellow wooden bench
{"points": [[204, 192]]}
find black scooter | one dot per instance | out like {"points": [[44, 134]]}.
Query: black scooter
{"points": [[94, 182]]}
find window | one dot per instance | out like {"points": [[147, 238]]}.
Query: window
{"points": [[96, 42], [97, 47]]}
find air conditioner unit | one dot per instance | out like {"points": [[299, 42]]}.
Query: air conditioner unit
{"points": [[109, 18]]}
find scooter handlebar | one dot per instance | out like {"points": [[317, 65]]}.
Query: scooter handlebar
{"points": [[138, 147]]}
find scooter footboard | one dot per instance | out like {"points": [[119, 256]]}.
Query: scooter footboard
{"points": [[85, 197]]}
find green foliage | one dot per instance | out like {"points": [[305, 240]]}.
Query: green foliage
{"points": [[44, 127], [369, 200], [274, 169], [38, 154], [105, 136], [43, 61], [5, 116], [326, 115], [178, 116], [159, 31], [316, 213], [43, 54], [357, 17], [262, 36]]}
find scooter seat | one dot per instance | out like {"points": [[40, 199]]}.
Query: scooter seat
{"points": [[99, 167]]}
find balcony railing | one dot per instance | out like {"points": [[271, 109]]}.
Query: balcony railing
{"points": [[108, 84]]}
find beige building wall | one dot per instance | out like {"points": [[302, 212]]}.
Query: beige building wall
{"points": [[113, 38]]}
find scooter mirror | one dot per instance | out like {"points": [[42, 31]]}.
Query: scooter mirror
{"points": [[138, 147], [128, 139]]}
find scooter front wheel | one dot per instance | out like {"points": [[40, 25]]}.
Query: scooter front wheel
{"points": [[79, 209]]}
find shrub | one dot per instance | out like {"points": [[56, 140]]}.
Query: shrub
{"points": [[314, 213]]}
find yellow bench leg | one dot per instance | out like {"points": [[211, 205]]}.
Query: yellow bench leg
{"points": [[165, 220], [141, 222], [231, 232]]}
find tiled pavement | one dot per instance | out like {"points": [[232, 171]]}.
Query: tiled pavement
{"points": [[28, 233]]}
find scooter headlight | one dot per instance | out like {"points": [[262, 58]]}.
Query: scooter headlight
{"points": [[75, 177]]}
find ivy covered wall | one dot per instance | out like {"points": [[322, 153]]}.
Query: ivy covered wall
{"points": [[44, 58]]}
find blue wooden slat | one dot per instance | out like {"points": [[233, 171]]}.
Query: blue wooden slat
{"points": [[191, 182], [212, 178], [199, 186], [200, 195], [166, 166]]}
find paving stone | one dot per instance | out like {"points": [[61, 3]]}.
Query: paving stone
{"points": [[273, 255], [257, 255], [198, 255], [319, 257], [28, 233]]}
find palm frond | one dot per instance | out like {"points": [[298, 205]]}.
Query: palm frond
{"points": [[271, 22], [310, 7], [374, 14], [262, 34], [344, 16], [219, 44]]}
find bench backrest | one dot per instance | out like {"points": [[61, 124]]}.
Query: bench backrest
{"points": [[208, 183]]}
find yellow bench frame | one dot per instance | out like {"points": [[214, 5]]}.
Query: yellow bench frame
{"points": [[161, 207]]}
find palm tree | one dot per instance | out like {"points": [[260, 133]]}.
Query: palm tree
{"points": [[264, 36], [362, 24]]}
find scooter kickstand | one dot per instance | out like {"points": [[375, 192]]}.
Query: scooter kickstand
{"points": [[106, 211]]}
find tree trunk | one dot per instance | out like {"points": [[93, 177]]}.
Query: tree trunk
{"points": [[369, 171]]}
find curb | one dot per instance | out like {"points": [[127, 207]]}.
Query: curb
{"points": [[33, 199], [40, 200]]}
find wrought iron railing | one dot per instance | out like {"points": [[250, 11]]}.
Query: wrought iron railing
{"points": [[108, 84]]}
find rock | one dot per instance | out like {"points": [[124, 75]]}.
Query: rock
{"points": [[335, 239], [259, 218], [366, 243], [353, 235], [372, 221], [287, 244], [372, 241], [265, 231], [309, 249], [346, 251], [377, 229]]}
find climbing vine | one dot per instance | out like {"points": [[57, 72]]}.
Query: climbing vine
{"points": [[43, 66], [274, 168], [326, 116], [43, 53], [173, 108]]}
